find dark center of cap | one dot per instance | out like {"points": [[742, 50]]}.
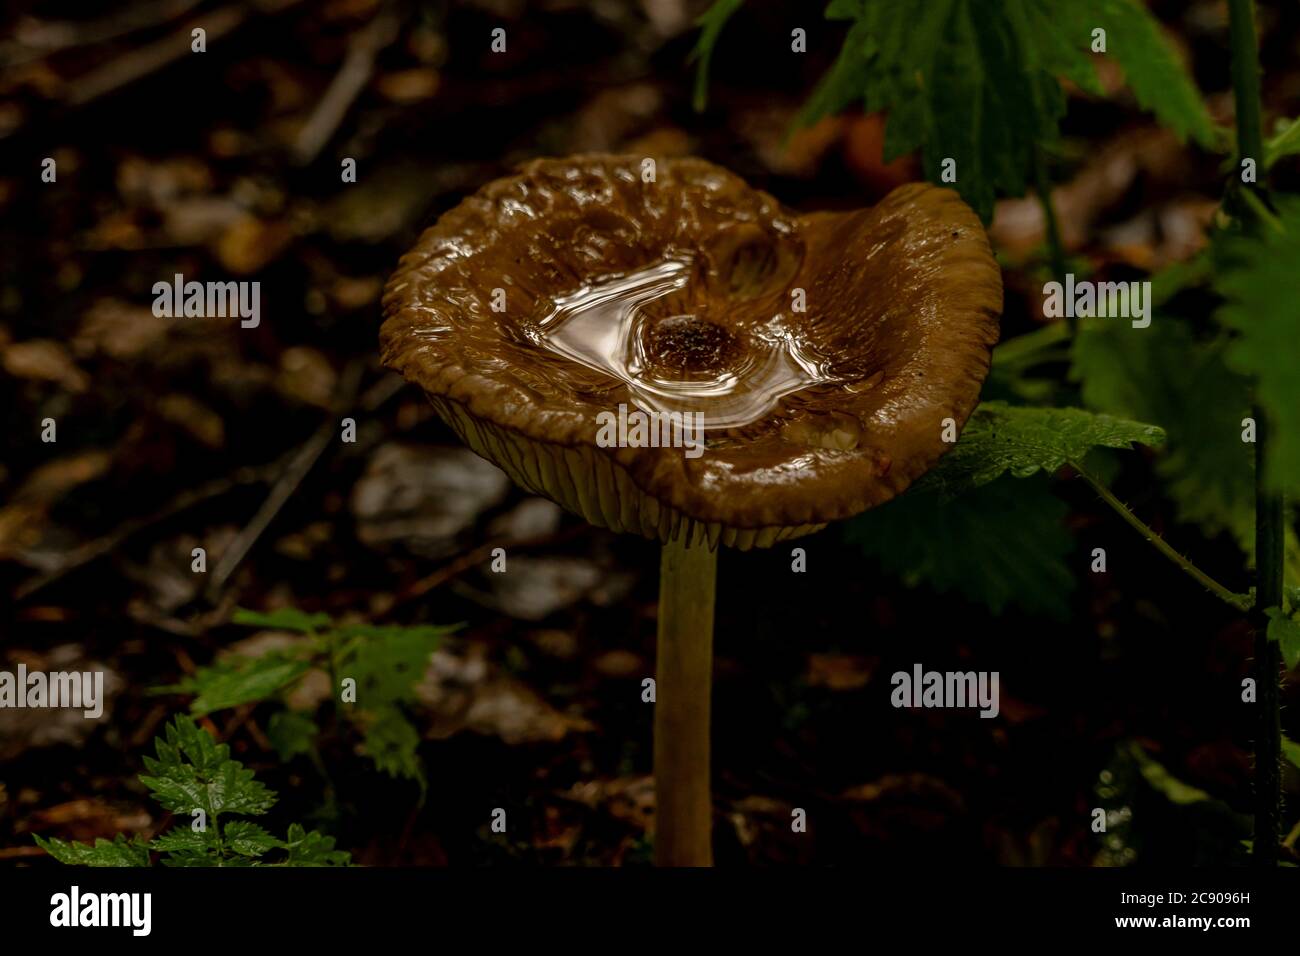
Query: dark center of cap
{"points": [[682, 346]]}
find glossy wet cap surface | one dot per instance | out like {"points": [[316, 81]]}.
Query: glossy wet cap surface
{"points": [[824, 351]]}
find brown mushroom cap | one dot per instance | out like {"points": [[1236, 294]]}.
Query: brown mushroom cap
{"points": [[902, 302]]}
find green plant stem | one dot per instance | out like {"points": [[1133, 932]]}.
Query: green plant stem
{"points": [[1240, 602], [1055, 248], [1268, 504], [683, 686]]}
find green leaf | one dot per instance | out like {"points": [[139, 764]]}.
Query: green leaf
{"points": [[978, 83], [283, 619], [1292, 594], [392, 742], [1003, 543], [387, 661], [192, 771], [184, 839], [291, 733], [248, 839], [242, 680], [1287, 634], [121, 851], [1001, 438], [1162, 374], [1163, 782], [711, 23], [1285, 143], [428, 634], [310, 848], [1257, 281], [1151, 65], [1291, 751]]}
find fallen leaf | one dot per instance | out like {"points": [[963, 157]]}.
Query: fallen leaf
{"points": [[423, 496], [44, 360]]}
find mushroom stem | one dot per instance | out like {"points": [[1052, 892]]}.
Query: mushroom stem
{"points": [[683, 684]]}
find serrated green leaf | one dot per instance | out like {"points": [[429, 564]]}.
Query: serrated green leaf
{"points": [[184, 839], [310, 848], [392, 742], [242, 680], [291, 733], [283, 619], [1161, 374], [1001, 439], [1151, 65], [1003, 543], [978, 83], [248, 839], [191, 859], [387, 661], [120, 851], [1257, 281], [192, 771], [1287, 634]]}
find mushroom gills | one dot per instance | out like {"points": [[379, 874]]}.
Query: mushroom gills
{"points": [[589, 484]]}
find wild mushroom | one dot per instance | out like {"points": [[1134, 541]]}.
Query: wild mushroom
{"points": [[832, 355]]}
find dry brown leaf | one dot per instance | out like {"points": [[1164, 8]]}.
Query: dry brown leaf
{"points": [[251, 244], [119, 329], [44, 360]]}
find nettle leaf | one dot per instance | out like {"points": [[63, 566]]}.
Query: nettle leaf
{"points": [[1003, 543], [187, 841], [310, 848], [1151, 65], [241, 680], [1286, 632], [1000, 439], [121, 851], [392, 741], [248, 839], [1162, 374], [284, 619], [387, 661], [978, 83], [192, 771], [1257, 281]]}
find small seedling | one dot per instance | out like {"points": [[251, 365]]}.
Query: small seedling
{"points": [[194, 778], [373, 670]]}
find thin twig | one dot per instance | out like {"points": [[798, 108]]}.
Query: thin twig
{"points": [[1240, 602], [37, 40], [94, 550], [302, 462], [351, 79], [474, 556], [148, 59]]}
